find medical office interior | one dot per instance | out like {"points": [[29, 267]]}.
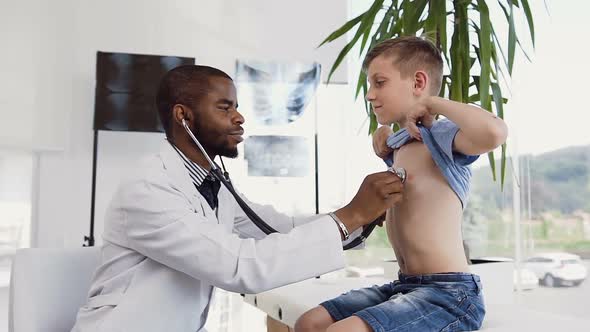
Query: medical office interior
{"points": [[64, 148]]}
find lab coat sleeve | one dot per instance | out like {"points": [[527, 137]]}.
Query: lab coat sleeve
{"points": [[279, 221], [161, 224]]}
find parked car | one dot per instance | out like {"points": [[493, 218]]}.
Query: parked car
{"points": [[557, 269]]}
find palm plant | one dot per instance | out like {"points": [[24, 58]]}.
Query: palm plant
{"points": [[475, 58]]}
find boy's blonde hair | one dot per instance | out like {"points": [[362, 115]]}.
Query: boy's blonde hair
{"points": [[411, 54]]}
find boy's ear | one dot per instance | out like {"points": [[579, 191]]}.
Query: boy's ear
{"points": [[420, 82]]}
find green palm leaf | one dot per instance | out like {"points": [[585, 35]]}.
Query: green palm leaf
{"points": [[475, 69]]}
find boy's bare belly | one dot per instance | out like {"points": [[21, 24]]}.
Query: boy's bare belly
{"points": [[424, 229]]}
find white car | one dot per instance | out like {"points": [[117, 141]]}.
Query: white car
{"points": [[557, 269]]}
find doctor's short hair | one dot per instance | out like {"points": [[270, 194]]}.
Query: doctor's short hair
{"points": [[410, 54], [183, 85]]}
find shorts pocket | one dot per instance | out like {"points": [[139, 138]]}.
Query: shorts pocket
{"points": [[476, 312], [454, 326], [470, 321]]}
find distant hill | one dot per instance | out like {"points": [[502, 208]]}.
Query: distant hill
{"points": [[560, 181]]}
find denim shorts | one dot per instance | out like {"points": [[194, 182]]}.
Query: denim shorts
{"points": [[430, 302]]}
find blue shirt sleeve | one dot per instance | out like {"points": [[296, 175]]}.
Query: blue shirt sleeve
{"points": [[444, 132]]}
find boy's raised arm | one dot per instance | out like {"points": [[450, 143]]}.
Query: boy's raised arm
{"points": [[479, 130]]}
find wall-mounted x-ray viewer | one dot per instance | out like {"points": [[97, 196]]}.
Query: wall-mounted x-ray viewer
{"points": [[125, 100], [278, 101]]}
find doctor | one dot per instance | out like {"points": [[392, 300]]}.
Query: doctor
{"points": [[172, 234]]}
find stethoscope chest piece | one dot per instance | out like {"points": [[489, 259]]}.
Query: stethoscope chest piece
{"points": [[400, 172]]}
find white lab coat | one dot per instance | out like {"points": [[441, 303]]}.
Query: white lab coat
{"points": [[165, 250]]}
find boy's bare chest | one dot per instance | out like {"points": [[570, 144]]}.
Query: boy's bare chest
{"points": [[424, 176], [425, 181], [414, 157]]}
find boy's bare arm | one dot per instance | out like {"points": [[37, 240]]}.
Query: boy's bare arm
{"points": [[479, 130]]}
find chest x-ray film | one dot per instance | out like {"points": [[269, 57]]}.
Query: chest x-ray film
{"points": [[279, 156], [277, 93]]}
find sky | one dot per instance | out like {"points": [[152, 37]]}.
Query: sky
{"points": [[547, 110]]}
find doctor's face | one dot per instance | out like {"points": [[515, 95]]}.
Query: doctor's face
{"points": [[218, 124]]}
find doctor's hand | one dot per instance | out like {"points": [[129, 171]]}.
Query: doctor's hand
{"points": [[378, 192], [380, 142]]}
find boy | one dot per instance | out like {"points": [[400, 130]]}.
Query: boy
{"points": [[435, 291]]}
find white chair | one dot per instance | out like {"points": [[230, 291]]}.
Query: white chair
{"points": [[48, 286]]}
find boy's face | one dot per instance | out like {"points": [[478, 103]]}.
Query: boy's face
{"points": [[390, 95]]}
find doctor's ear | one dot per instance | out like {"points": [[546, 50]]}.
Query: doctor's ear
{"points": [[180, 112]]}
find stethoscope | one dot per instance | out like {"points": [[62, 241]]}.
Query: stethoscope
{"points": [[223, 177]]}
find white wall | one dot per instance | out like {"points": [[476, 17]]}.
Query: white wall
{"points": [[65, 36], [35, 85]]}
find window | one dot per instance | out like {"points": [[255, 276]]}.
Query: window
{"points": [[15, 203], [16, 169]]}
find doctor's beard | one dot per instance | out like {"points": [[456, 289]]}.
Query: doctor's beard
{"points": [[223, 148]]}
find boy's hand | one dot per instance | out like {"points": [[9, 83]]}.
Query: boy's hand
{"points": [[380, 142], [420, 114]]}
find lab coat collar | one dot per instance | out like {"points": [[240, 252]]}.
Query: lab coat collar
{"points": [[180, 177]]}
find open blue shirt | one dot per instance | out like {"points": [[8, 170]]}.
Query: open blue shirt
{"points": [[439, 140]]}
